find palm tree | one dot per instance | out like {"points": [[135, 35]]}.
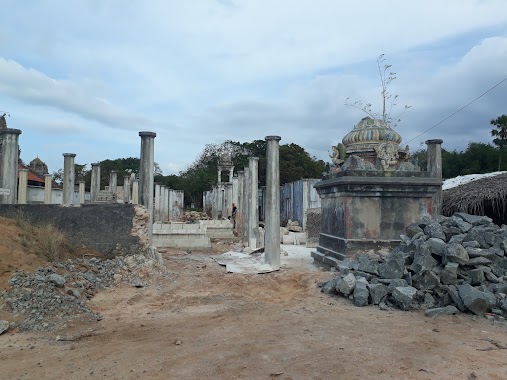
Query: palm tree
{"points": [[500, 135]]}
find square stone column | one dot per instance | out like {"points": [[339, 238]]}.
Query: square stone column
{"points": [[163, 204], [157, 202], [246, 206], [253, 223], [95, 184], [126, 189], [23, 186], [48, 189], [272, 211], [170, 204], [239, 205], [9, 165], [82, 192], [135, 192], [113, 183], [166, 203], [69, 176]]}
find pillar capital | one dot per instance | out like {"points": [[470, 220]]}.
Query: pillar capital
{"points": [[22, 170], [434, 141], [147, 134], [69, 154], [96, 164], [11, 131], [273, 138]]}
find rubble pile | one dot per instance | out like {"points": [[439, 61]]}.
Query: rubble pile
{"points": [[447, 265], [192, 216], [51, 297]]}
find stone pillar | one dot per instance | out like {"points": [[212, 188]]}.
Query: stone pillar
{"points": [[146, 174], [162, 204], [246, 205], [126, 189], [81, 192], [9, 165], [157, 202], [95, 184], [69, 175], [214, 204], [113, 183], [231, 174], [219, 175], [253, 224], [434, 166], [48, 189], [167, 210], [272, 210], [239, 205], [23, 186], [135, 192]]}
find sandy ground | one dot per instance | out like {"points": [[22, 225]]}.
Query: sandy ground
{"points": [[200, 323]]}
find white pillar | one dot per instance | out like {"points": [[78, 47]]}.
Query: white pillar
{"points": [[23, 186], [135, 192], [157, 203], [9, 165], [272, 211], [239, 205], [81, 192], [162, 204], [113, 183], [166, 203], [231, 174], [69, 176], [253, 232], [126, 189], [219, 175], [48, 188], [246, 205], [95, 184]]}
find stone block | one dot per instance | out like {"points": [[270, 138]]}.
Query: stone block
{"points": [[346, 284], [439, 311], [403, 296], [361, 294], [476, 301]]}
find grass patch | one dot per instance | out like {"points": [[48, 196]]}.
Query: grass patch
{"points": [[43, 239]]}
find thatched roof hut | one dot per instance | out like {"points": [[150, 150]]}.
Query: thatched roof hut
{"points": [[484, 196]]}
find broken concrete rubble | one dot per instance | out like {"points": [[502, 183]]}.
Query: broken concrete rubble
{"points": [[443, 265]]}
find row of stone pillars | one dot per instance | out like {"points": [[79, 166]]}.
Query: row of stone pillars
{"points": [[167, 203], [10, 193], [248, 203]]}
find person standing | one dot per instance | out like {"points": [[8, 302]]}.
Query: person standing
{"points": [[233, 215]]}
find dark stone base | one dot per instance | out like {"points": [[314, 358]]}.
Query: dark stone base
{"points": [[364, 211]]}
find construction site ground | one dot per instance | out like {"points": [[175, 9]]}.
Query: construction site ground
{"points": [[198, 322]]}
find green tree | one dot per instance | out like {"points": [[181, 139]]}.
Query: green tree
{"points": [[499, 134]]}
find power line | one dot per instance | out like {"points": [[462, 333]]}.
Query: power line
{"points": [[461, 109]]}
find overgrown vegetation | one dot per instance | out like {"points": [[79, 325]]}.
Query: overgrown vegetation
{"points": [[389, 101], [44, 240]]}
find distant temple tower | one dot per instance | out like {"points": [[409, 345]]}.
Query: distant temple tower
{"points": [[39, 167]]}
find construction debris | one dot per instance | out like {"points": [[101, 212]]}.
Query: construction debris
{"points": [[443, 265]]}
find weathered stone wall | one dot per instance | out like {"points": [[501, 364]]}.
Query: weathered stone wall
{"points": [[313, 220], [108, 228]]}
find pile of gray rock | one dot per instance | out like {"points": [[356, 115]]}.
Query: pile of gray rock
{"points": [[52, 297], [446, 265]]}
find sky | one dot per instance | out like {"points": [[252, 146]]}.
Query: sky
{"points": [[85, 76]]}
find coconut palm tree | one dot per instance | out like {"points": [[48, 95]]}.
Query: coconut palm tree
{"points": [[500, 135]]}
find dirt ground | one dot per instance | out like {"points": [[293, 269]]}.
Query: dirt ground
{"points": [[200, 323]]}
